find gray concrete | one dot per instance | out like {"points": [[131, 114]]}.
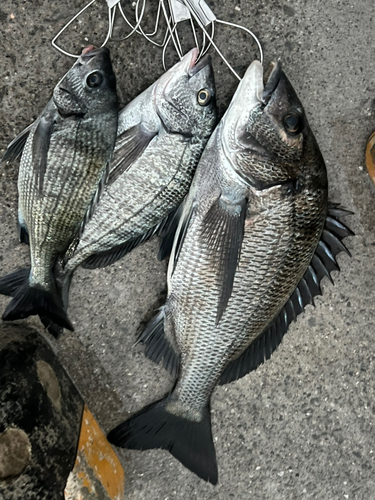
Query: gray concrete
{"points": [[301, 426]]}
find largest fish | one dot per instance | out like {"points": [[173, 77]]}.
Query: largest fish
{"points": [[248, 232], [64, 165]]}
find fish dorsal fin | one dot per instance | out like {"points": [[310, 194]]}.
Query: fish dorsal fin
{"points": [[322, 264], [15, 148], [129, 146], [159, 346], [223, 230]]}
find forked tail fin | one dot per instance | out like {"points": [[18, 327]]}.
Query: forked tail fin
{"points": [[29, 300], [189, 441]]}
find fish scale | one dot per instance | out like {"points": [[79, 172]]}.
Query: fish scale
{"points": [[250, 227], [64, 162]]}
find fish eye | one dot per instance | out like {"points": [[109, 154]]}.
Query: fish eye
{"points": [[293, 123], [203, 97], [94, 79]]}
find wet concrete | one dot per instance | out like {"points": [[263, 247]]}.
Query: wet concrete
{"points": [[301, 426]]}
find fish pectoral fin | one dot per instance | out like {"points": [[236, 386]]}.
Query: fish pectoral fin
{"points": [[161, 345], [15, 148], [41, 142], [129, 146], [322, 264], [222, 234]]}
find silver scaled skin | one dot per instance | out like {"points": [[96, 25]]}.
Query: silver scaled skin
{"points": [[277, 178], [64, 163], [248, 231], [161, 136]]}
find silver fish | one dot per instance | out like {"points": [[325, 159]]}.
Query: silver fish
{"points": [[161, 136], [250, 229], [64, 164]]}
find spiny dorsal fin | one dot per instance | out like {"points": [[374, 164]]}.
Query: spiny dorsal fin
{"points": [[322, 264]]}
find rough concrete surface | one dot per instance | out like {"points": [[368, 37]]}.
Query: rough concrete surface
{"points": [[301, 426]]}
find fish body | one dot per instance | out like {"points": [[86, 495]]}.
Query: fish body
{"points": [[64, 164], [248, 232], [161, 136]]}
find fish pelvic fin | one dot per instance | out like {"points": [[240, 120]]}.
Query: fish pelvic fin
{"points": [[29, 300], [10, 283], [189, 441]]}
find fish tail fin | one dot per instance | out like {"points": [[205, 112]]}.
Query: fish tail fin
{"points": [[10, 283], [29, 300], [189, 441]]}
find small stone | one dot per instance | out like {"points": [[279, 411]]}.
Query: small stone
{"points": [[15, 452]]}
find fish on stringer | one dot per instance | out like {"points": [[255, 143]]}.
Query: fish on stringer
{"points": [[64, 165], [254, 240]]}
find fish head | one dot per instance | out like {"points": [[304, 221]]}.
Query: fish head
{"points": [[267, 117], [89, 86], [185, 97]]}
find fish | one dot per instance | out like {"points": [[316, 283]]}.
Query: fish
{"points": [[64, 165], [255, 237], [161, 136]]}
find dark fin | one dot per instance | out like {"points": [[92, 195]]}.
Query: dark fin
{"points": [[15, 148], [30, 300], [63, 287], [188, 441], [167, 232], [103, 259], [10, 283], [322, 264], [223, 230], [158, 346], [129, 146], [40, 144], [23, 234]]}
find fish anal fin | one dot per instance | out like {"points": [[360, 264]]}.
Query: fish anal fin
{"points": [[223, 231], [160, 345], [103, 259], [129, 146]]}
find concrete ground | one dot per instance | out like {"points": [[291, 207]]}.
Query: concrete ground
{"points": [[302, 425]]}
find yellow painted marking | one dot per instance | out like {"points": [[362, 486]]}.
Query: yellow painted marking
{"points": [[96, 464]]}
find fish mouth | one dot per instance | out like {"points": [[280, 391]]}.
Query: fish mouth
{"points": [[90, 52], [271, 80], [203, 63]]}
